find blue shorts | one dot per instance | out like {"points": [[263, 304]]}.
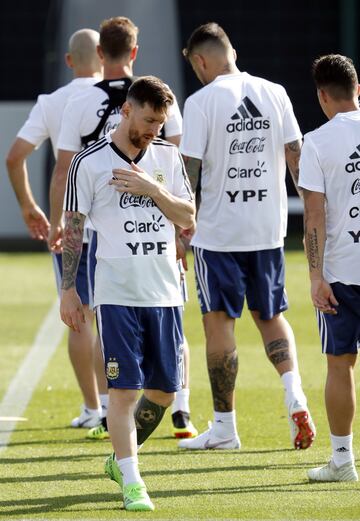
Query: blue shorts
{"points": [[340, 334], [223, 280], [142, 347], [86, 272]]}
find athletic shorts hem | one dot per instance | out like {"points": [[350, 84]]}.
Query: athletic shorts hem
{"points": [[269, 316]]}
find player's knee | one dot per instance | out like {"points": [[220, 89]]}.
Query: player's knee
{"points": [[159, 397]]}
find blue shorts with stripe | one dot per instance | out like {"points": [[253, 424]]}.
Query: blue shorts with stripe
{"points": [[86, 270], [142, 346], [340, 334], [224, 279]]}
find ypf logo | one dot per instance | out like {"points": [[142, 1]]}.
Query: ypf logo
{"points": [[354, 166]]}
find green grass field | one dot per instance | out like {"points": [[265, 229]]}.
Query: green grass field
{"points": [[49, 471]]}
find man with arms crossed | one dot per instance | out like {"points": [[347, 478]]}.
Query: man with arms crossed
{"points": [[329, 176], [241, 130], [135, 190], [87, 118], [44, 122]]}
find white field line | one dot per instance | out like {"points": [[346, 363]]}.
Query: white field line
{"points": [[27, 377]]}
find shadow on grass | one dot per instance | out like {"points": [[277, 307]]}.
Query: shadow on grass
{"points": [[75, 476], [43, 505], [68, 441]]}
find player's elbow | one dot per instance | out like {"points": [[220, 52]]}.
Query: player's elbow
{"points": [[14, 159]]}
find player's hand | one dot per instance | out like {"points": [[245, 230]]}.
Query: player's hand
{"points": [[37, 222], [71, 309], [135, 181], [188, 233], [55, 239], [181, 252], [323, 297]]}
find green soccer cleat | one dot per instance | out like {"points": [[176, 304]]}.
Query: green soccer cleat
{"points": [[136, 498], [112, 470], [98, 433]]}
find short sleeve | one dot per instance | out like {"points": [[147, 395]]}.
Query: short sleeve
{"points": [[35, 129], [79, 189], [291, 127], [311, 175], [194, 137], [69, 137], [173, 124]]}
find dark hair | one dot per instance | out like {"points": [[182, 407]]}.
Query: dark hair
{"points": [[151, 90], [210, 33], [337, 75], [118, 36]]}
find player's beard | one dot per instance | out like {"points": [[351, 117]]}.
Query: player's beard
{"points": [[138, 140]]}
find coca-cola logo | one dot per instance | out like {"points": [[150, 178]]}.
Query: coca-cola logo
{"points": [[139, 201], [255, 144], [355, 189]]}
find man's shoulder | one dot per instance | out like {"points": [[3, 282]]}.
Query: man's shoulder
{"points": [[317, 135], [159, 142], [91, 154]]}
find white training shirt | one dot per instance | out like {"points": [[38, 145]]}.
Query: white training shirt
{"points": [[83, 113], [136, 253], [44, 120], [330, 164], [238, 126]]}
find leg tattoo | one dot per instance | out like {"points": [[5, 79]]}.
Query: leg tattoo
{"points": [[222, 370], [278, 351], [148, 415]]}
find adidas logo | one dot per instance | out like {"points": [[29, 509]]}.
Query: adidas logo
{"points": [[342, 449], [247, 117], [354, 165], [356, 155]]}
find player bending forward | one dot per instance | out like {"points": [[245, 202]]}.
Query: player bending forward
{"points": [[134, 189]]}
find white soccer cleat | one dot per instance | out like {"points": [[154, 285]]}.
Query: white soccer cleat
{"points": [[302, 428], [207, 440], [330, 472], [87, 419]]}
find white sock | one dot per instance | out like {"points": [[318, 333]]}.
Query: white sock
{"points": [[94, 412], [181, 402], [104, 401], [129, 468], [342, 451], [224, 425], [293, 391]]}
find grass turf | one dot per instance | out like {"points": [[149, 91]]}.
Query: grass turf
{"points": [[49, 471]]}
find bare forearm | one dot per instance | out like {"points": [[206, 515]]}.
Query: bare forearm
{"points": [[72, 247], [56, 197], [314, 227], [179, 211], [193, 167], [19, 180], [292, 154]]}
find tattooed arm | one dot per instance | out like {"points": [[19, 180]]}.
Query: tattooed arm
{"points": [[292, 155], [71, 309], [193, 167], [315, 237]]}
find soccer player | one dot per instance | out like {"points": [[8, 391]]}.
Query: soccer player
{"points": [[87, 118], [329, 177], [240, 130], [134, 188], [44, 123]]}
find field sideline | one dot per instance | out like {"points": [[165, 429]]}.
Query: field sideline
{"points": [[49, 471]]}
